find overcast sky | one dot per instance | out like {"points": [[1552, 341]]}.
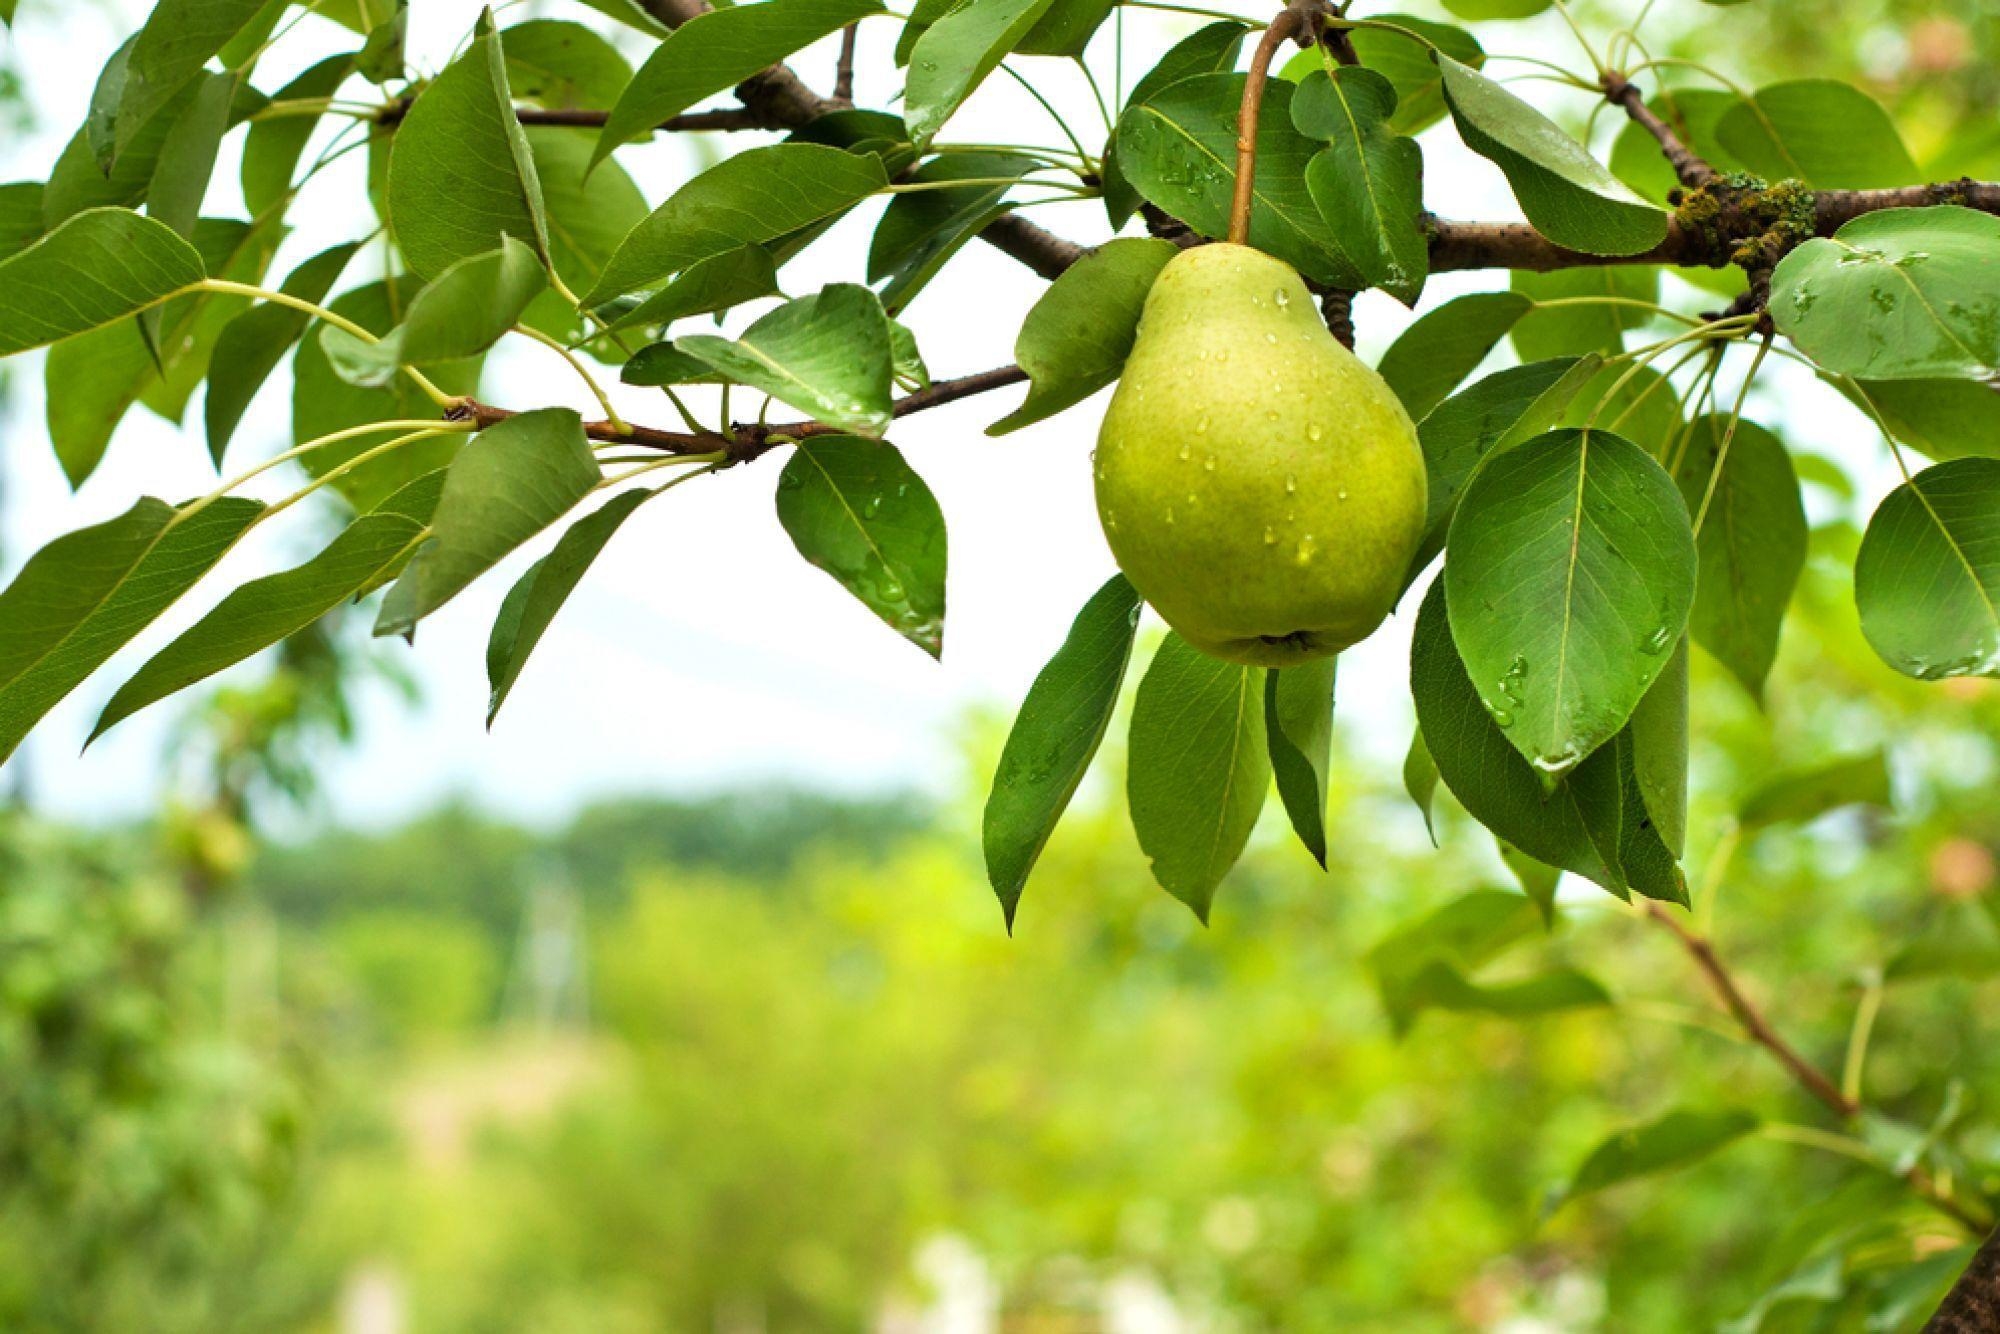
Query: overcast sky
{"points": [[701, 651]]}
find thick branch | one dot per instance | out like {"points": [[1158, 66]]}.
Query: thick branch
{"points": [[748, 440], [1687, 164], [1973, 1304], [1834, 207]]}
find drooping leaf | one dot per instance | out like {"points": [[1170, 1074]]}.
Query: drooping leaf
{"points": [[1806, 794], [563, 66], [1827, 133], [755, 196], [828, 355], [178, 38], [323, 403], [1298, 724], [187, 157], [1902, 294], [1059, 728], [955, 54], [1178, 149], [507, 484], [1434, 355], [461, 174], [854, 508], [1751, 547], [271, 148], [1660, 750], [1681, 1137], [459, 314], [253, 343], [1495, 784], [1198, 768], [1571, 568], [1927, 577], [99, 267], [1463, 429], [1573, 330], [1538, 880], [531, 605], [1420, 780], [1077, 336], [1566, 193], [83, 596], [713, 52], [265, 611], [1368, 182]]}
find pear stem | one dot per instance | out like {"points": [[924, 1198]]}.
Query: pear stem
{"points": [[1286, 25]]}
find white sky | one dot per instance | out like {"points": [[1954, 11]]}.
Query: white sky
{"points": [[700, 651]]}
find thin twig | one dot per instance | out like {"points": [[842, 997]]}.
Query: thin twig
{"points": [[843, 71], [1687, 164]]}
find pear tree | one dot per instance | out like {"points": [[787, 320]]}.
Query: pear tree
{"points": [[1555, 476]]}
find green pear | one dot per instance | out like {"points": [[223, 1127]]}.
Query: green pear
{"points": [[1259, 486]]}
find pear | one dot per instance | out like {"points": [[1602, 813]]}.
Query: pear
{"points": [[1260, 487]]}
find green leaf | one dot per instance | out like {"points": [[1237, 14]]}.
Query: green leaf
{"points": [[1425, 964], [187, 157], [717, 50], [85, 175], [531, 605], [1420, 780], [1903, 294], [1955, 940], [1298, 725], [1571, 568], [854, 508], [1538, 880], [1801, 795], [1496, 9], [1059, 728], [1465, 428], [1927, 577], [20, 216], [828, 355], [955, 55], [1077, 336], [919, 232], [1434, 355], [83, 596], [716, 283], [92, 381], [1572, 331], [506, 485], [1408, 66], [380, 59], [1946, 419], [1751, 547], [664, 364], [323, 403], [1178, 149], [177, 40], [253, 343], [265, 611], [1208, 50], [1679, 1138], [1198, 767], [1368, 184], [563, 66], [98, 267], [1660, 751], [1568, 196], [271, 148], [461, 174], [1495, 784], [755, 196], [1827, 133], [906, 359], [460, 314], [588, 218], [1065, 28]]}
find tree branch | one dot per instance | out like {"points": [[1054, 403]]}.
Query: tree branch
{"points": [[747, 441], [1687, 164], [1973, 1304]]}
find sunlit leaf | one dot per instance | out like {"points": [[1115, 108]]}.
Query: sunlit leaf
{"points": [[955, 54], [563, 66], [1927, 577], [1368, 181], [98, 267], [1829, 134], [177, 40], [828, 355]]}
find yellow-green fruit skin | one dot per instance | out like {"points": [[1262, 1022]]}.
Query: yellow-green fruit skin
{"points": [[1261, 487]]}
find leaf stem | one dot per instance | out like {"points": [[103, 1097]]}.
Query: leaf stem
{"points": [[368, 455], [341, 322], [1047, 106], [1729, 432], [1854, 1069], [1247, 112], [555, 345]]}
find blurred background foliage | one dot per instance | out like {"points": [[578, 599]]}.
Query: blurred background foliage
{"points": [[767, 1061]]}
